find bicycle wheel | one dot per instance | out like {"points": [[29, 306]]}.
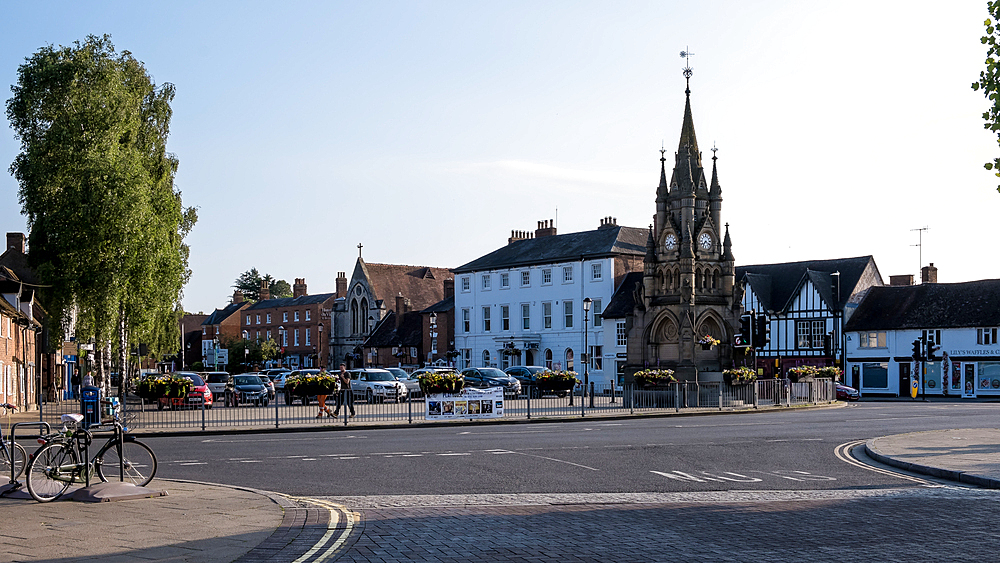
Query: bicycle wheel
{"points": [[19, 459], [51, 471], [140, 463]]}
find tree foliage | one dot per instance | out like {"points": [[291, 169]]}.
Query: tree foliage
{"points": [[989, 79], [249, 284], [106, 226]]}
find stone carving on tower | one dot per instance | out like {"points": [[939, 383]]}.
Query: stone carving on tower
{"points": [[688, 279]]}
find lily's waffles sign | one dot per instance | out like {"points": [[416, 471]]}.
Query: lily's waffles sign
{"points": [[470, 403]]}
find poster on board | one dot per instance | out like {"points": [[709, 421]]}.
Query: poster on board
{"points": [[469, 404]]}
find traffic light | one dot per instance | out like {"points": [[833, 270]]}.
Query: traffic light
{"points": [[762, 331], [917, 354], [745, 338], [932, 349]]}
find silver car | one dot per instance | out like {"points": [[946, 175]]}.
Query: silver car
{"points": [[376, 385]]}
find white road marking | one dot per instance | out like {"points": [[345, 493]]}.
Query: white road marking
{"points": [[843, 453], [194, 463], [251, 461], [466, 453]]}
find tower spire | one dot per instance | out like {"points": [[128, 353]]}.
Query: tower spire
{"points": [[715, 189]]}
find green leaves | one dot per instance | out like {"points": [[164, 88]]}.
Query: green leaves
{"points": [[106, 226], [989, 80]]}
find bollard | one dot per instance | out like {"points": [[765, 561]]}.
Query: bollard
{"points": [[529, 401], [409, 406], [720, 396], [591, 394]]}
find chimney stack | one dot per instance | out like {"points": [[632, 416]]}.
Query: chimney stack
{"points": [[237, 296], [449, 288], [265, 291], [341, 284], [299, 288], [928, 274], [545, 229], [519, 235], [901, 280], [608, 223], [16, 241]]}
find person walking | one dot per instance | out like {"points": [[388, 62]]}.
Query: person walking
{"points": [[321, 399], [88, 380], [345, 395]]}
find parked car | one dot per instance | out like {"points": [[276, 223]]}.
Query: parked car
{"points": [[247, 388], [198, 395], [267, 383], [217, 382], [412, 384], [484, 378], [289, 398], [373, 384], [526, 376], [277, 376], [845, 393]]}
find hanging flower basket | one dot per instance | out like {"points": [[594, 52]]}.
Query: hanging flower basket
{"points": [[164, 386], [708, 342], [809, 373], [648, 378], [739, 376], [309, 385], [556, 380], [441, 382]]}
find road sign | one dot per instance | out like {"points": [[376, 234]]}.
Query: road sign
{"points": [[223, 357]]}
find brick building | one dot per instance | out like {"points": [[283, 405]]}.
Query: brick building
{"points": [[299, 324]]}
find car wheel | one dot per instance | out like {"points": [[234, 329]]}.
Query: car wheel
{"points": [[266, 402], [209, 407], [536, 393], [159, 406], [369, 396], [305, 401]]}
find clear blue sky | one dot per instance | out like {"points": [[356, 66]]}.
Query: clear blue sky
{"points": [[429, 130]]}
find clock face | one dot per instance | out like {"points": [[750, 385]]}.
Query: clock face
{"points": [[670, 243], [705, 241]]}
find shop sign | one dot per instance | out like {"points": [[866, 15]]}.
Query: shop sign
{"points": [[469, 404]]}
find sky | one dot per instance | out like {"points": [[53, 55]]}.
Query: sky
{"points": [[428, 131]]}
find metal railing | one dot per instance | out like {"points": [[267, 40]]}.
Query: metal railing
{"points": [[598, 400]]}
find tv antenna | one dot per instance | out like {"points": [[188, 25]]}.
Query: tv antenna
{"points": [[920, 246]]}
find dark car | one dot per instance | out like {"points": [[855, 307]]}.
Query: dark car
{"points": [[845, 393], [247, 389], [484, 378], [526, 376]]}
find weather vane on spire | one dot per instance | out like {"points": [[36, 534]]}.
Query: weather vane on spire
{"points": [[713, 150], [686, 55]]}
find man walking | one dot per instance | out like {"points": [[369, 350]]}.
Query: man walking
{"points": [[346, 395]]}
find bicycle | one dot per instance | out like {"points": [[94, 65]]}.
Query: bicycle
{"points": [[11, 453], [55, 465]]}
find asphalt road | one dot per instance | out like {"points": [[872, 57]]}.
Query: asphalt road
{"points": [[787, 451]]}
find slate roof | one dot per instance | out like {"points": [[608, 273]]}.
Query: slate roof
{"points": [[775, 285], [222, 314], [387, 334], [422, 285], [623, 301], [562, 248], [291, 301], [17, 261], [934, 305], [443, 306]]}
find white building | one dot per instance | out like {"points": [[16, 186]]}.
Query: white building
{"points": [[523, 304], [961, 318]]}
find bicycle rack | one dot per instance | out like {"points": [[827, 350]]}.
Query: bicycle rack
{"points": [[14, 483]]}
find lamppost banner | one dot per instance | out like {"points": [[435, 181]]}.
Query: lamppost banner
{"points": [[470, 403]]}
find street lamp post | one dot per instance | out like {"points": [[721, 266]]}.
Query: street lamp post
{"points": [[586, 352], [281, 358], [319, 338], [433, 335], [246, 350]]}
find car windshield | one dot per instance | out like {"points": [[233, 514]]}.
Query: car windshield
{"points": [[195, 378], [492, 373], [247, 380], [380, 376], [217, 378]]}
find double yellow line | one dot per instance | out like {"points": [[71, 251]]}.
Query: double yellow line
{"points": [[331, 541]]}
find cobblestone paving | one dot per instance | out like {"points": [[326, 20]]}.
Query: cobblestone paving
{"points": [[885, 525]]}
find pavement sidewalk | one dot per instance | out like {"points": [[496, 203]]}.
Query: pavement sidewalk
{"points": [[967, 455]]}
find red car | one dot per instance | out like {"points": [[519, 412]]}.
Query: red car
{"points": [[845, 393], [199, 394]]}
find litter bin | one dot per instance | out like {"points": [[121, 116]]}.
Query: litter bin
{"points": [[90, 406]]}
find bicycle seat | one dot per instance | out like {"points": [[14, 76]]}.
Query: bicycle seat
{"points": [[72, 417]]}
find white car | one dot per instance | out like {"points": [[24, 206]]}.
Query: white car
{"points": [[376, 385]]}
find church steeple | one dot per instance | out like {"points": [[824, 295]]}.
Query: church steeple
{"points": [[662, 191], [715, 190]]}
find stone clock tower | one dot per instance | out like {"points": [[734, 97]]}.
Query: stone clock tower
{"points": [[688, 287]]}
